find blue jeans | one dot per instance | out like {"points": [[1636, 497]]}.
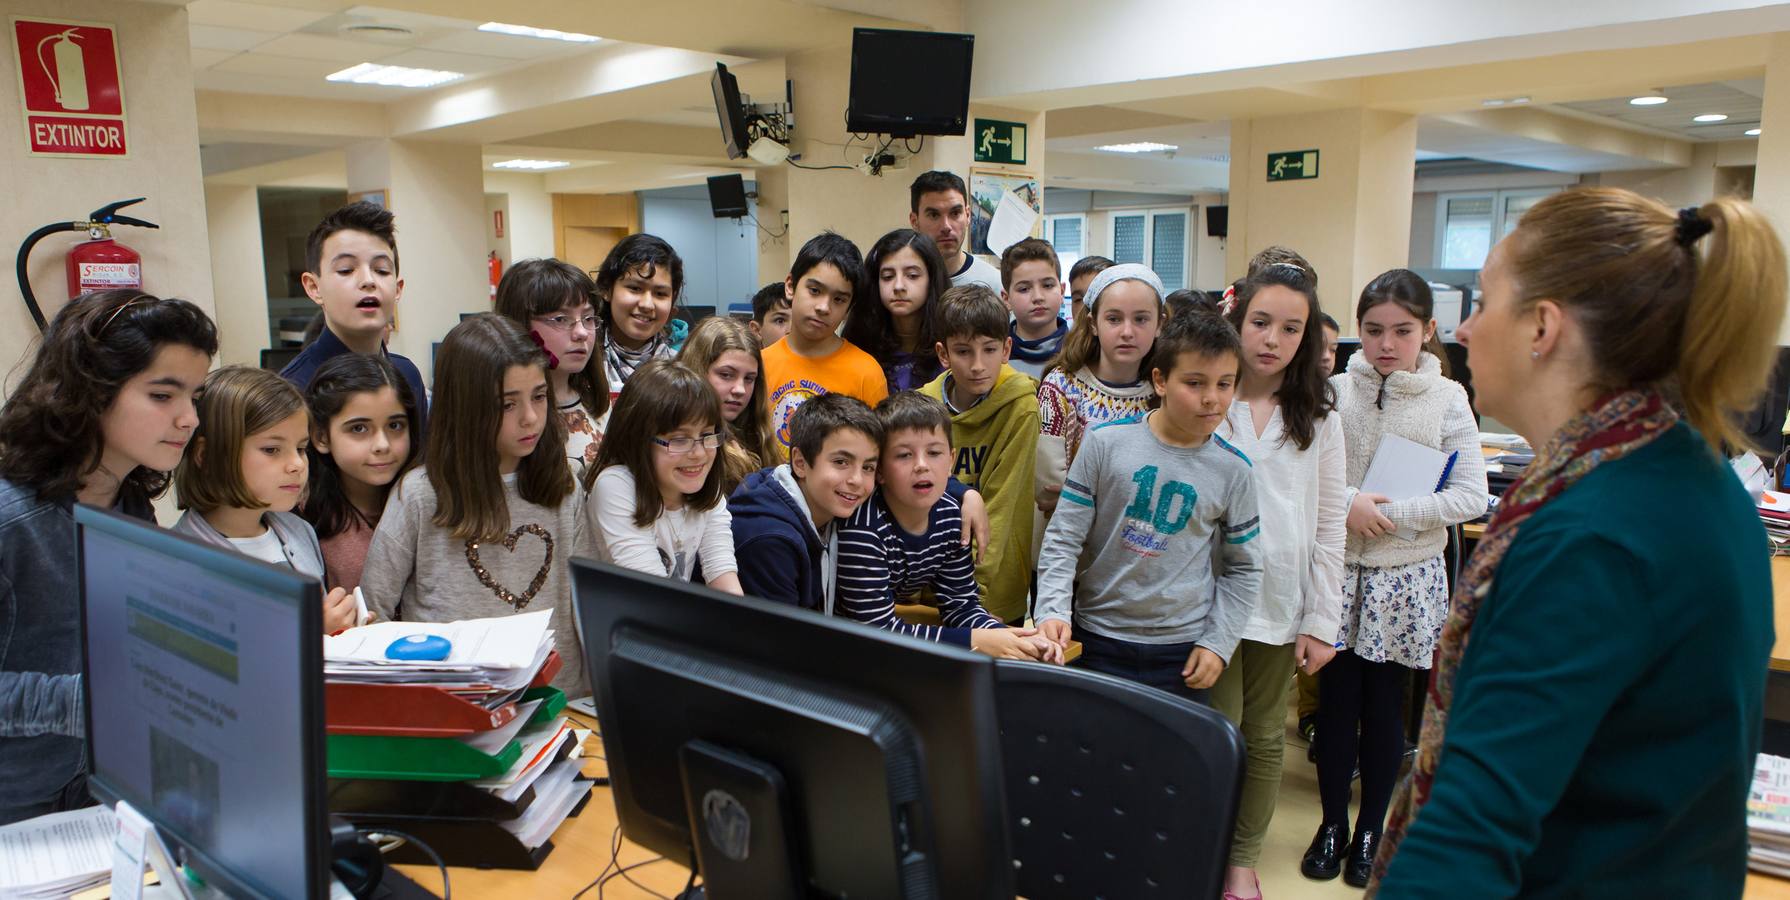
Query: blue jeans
{"points": [[1155, 665]]}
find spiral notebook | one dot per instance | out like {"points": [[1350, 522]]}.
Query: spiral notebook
{"points": [[1402, 469]]}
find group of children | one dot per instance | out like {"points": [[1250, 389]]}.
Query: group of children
{"points": [[1177, 493]]}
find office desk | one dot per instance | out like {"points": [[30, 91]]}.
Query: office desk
{"points": [[580, 851]]}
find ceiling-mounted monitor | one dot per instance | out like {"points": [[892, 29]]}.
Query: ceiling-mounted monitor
{"points": [[909, 83]]}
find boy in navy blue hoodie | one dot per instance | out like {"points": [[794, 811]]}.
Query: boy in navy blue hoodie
{"points": [[786, 518]]}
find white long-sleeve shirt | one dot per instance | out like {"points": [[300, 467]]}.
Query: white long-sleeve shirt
{"points": [[671, 545], [1300, 497]]}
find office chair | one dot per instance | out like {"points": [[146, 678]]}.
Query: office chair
{"points": [[1114, 790]]}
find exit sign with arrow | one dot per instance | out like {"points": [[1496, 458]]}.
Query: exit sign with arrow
{"points": [[1292, 165]]}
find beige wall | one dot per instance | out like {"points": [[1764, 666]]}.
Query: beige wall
{"points": [[163, 139], [1771, 187], [1353, 221], [528, 219], [233, 219], [437, 193]]}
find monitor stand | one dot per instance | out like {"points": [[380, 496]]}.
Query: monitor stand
{"points": [[739, 825]]}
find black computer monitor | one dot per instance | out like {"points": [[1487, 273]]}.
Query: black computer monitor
{"points": [[730, 111], [727, 196], [203, 687], [909, 83], [821, 758]]}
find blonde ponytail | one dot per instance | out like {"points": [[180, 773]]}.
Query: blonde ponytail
{"points": [[1736, 310]]}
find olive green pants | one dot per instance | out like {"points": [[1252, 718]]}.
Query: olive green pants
{"points": [[1252, 693]]}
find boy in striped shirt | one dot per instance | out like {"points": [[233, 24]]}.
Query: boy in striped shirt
{"points": [[908, 536]]}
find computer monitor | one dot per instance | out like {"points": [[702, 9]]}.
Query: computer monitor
{"points": [[816, 757], [203, 687], [730, 111], [909, 83], [727, 196]]}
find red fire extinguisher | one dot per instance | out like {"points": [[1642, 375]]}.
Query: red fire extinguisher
{"points": [[496, 266], [97, 264]]}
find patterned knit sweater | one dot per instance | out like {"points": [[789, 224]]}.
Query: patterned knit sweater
{"points": [[1071, 406]]}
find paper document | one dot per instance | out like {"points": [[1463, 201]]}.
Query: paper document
{"points": [[1402, 469], [58, 854], [1012, 223], [503, 653]]}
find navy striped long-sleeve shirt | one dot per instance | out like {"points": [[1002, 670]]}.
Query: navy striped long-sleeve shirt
{"points": [[878, 561]]}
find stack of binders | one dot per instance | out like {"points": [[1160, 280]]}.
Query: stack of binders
{"points": [[469, 754]]}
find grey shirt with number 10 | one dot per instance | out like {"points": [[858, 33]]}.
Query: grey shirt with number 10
{"points": [[1137, 527]]}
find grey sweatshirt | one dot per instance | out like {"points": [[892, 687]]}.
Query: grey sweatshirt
{"points": [[1137, 526], [418, 572]]}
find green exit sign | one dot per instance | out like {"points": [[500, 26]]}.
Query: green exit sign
{"points": [[1000, 142], [1292, 165]]}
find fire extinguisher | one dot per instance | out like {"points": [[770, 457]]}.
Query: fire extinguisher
{"points": [[97, 264], [496, 266]]}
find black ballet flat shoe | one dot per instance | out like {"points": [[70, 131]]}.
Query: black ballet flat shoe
{"points": [[1324, 858], [1360, 858]]}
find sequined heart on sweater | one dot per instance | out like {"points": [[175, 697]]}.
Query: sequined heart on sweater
{"points": [[509, 543]]}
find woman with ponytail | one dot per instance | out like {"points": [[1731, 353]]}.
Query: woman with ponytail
{"points": [[1597, 700]]}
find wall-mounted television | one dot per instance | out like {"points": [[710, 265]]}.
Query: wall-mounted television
{"points": [[729, 109], [909, 83]]}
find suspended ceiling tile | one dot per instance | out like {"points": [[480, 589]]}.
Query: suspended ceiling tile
{"points": [[214, 37], [249, 16]]}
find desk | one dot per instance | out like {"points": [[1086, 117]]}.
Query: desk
{"points": [[1766, 887], [580, 850]]}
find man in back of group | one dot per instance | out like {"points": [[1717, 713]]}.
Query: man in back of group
{"points": [[941, 211]]}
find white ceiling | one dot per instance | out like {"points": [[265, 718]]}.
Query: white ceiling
{"points": [[262, 49], [1742, 101]]}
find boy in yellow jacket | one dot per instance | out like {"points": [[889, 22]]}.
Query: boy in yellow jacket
{"points": [[994, 426]]}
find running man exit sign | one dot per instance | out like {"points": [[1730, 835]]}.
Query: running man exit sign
{"points": [[1292, 165]]}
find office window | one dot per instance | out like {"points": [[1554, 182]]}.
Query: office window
{"points": [[1156, 238], [1065, 234], [1168, 249], [1469, 224]]}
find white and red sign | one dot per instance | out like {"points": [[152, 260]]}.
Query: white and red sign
{"points": [[70, 80]]}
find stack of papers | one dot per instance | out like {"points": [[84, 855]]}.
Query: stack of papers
{"points": [[540, 744], [58, 854], [1503, 441], [1768, 816], [487, 655], [1774, 514]]}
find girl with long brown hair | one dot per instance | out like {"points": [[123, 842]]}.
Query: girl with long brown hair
{"points": [[486, 526], [726, 353]]}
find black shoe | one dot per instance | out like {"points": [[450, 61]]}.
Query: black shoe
{"points": [[1359, 861], [1324, 858]]}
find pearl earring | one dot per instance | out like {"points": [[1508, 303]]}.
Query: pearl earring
{"points": [[1535, 354]]}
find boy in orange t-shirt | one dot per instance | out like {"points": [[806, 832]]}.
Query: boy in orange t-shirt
{"points": [[812, 359]]}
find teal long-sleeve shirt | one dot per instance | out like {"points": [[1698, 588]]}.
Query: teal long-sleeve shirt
{"points": [[1609, 705]]}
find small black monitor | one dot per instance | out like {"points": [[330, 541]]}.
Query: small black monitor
{"points": [[909, 83], [203, 687], [816, 757], [1218, 221], [727, 196], [731, 112]]}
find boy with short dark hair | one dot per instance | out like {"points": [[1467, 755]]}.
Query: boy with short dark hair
{"points": [[939, 207], [786, 518], [770, 314], [905, 539], [812, 359], [351, 272], [1148, 501], [994, 425], [1032, 287], [1080, 276]]}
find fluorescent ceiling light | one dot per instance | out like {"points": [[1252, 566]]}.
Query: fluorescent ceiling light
{"points": [[531, 164], [1504, 101], [1710, 117], [1138, 147], [394, 76], [547, 33], [1651, 100], [1752, 132]]}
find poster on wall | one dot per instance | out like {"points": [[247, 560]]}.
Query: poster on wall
{"points": [[986, 190], [72, 89]]}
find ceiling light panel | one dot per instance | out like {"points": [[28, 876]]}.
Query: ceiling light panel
{"points": [[394, 76], [543, 33]]}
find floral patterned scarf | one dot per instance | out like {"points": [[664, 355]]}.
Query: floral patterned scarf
{"points": [[1620, 425]]}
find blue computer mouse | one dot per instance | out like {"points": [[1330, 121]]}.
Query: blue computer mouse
{"points": [[420, 648]]}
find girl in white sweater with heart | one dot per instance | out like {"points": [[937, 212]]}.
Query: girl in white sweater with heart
{"points": [[486, 527], [1395, 585]]}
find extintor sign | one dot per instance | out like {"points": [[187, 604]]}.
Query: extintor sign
{"points": [[70, 80], [106, 276]]}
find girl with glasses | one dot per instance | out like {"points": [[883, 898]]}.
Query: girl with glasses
{"points": [[553, 301]]}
